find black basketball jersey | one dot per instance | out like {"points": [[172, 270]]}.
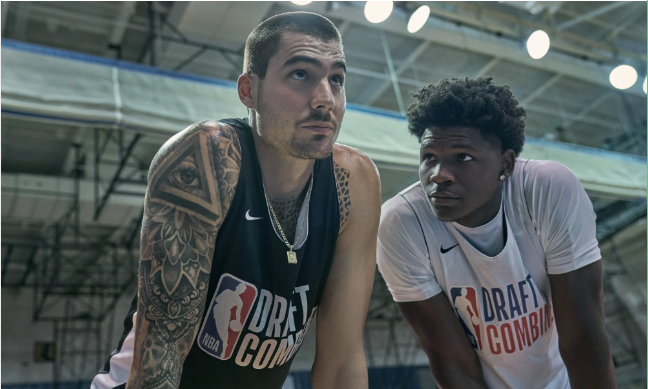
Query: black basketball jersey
{"points": [[259, 306]]}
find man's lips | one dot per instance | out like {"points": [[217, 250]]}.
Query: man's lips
{"points": [[443, 198], [320, 127]]}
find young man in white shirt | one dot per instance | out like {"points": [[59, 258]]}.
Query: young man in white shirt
{"points": [[493, 259]]}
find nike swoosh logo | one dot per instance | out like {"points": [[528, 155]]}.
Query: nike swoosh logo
{"points": [[248, 217], [443, 251]]}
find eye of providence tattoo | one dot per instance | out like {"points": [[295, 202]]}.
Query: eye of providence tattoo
{"points": [[344, 199], [190, 188]]}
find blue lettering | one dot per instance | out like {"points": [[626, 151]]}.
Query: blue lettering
{"points": [[535, 300], [523, 296], [499, 304], [514, 305], [489, 314]]}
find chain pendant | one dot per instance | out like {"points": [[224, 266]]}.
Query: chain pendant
{"points": [[292, 257]]}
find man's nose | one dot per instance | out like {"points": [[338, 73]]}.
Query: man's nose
{"points": [[441, 174], [323, 98]]}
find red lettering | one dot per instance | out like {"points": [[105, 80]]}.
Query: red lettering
{"points": [[533, 323], [522, 332], [497, 349], [509, 342], [541, 321]]}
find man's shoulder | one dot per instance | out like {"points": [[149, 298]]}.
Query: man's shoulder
{"points": [[538, 174], [204, 132], [409, 206], [356, 163], [407, 200]]}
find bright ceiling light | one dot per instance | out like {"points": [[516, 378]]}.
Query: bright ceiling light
{"points": [[301, 2], [418, 19], [538, 44], [623, 77], [378, 11], [644, 85]]}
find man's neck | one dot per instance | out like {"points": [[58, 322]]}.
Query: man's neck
{"points": [[284, 176]]}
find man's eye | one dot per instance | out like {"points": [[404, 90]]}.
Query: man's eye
{"points": [[298, 75], [337, 80], [465, 157], [428, 157]]}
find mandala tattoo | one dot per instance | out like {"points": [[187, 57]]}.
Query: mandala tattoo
{"points": [[344, 199], [191, 187]]}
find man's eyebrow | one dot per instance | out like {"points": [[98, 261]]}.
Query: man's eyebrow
{"points": [[429, 142], [302, 58], [314, 61], [340, 63]]}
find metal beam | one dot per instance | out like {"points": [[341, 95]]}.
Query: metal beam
{"points": [[382, 76], [634, 12], [392, 73], [22, 18], [115, 178], [488, 67], [567, 116], [585, 111], [5, 14], [126, 11], [541, 89], [5, 263], [374, 91], [476, 41], [590, 15], [30, 266]]}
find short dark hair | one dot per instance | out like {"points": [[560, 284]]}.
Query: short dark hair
{"points": [[263, 41], [469, 103]]}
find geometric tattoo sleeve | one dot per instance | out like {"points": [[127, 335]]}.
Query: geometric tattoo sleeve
{"points": [[191, 187]]}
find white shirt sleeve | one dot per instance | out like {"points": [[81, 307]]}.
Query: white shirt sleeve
{"points": [[402, 254], [563, 216]]}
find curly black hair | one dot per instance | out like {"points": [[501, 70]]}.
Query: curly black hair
{"points": [[469, 103]]}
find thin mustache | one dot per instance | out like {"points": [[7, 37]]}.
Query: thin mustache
{"points": [[319, 117]]}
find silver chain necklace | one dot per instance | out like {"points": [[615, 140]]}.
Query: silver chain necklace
{"points": [[292, 256]]}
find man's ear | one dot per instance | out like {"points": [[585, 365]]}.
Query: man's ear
{"points": [[508, 163], [247, 89]]}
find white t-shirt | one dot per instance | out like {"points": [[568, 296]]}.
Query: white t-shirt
{"points": [[488, 238], [503, 301]]}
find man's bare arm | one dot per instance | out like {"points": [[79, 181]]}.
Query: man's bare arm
{"points": [[453, 361], [578, 306], [340, 359], [191, 185]]}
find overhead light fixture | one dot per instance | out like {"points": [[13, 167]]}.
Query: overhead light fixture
{"points": [[378, 11], [623, 77], [301, 2], [644, 85], [538, 44], [418, 19]]}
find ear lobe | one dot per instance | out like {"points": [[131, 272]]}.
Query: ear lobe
{"points": [[245, 90], [508, 163]]}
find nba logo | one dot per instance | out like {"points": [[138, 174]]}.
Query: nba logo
{"points": [[226, 316], [464, 301]]}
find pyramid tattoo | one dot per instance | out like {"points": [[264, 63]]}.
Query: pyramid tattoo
{"points": [[186, 181]]}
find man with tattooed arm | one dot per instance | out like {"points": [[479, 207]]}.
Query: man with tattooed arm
{"points": [[252, 226]]}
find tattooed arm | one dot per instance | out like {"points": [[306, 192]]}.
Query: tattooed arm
{"points": [[339, 357], [191, 185]]}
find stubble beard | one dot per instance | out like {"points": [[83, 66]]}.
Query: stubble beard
{"points": [[317, 147]]}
